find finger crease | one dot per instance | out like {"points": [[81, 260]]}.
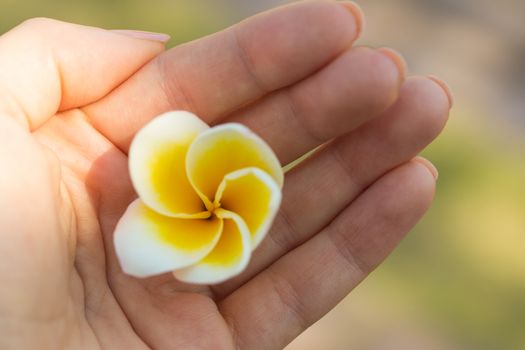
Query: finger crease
{"points": [[59, 75], [289, 297], [289, 100], [15, 109], [337, 154], [290, 238], [342, 244], [173, 89], [248, 64]]}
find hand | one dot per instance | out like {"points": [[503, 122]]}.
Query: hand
{"points": [[71, 99]]}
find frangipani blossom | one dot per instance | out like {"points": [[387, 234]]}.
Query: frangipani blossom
{"points": [[207, 198]]}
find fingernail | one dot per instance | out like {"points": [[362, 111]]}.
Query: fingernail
{"points": [[431, 167], [359, 17], [160, 37], [398, 60], [445, 87]]}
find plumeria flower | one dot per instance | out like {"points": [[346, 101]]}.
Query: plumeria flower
{"points": [[207, 198]]}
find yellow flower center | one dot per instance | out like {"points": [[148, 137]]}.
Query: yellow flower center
{"points": [[211, 207]]}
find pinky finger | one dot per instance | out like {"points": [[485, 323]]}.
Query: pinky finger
{"points": [[282, 301]]}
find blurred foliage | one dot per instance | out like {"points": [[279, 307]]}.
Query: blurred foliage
{"points": [[183, 20], [462, 269], [463, 265]]}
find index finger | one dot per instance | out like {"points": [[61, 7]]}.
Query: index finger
{"points": [[220, 73]]}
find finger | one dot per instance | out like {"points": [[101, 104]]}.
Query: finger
{"points": [[47, 66], [284, 300], [222, 72], [328, 181], [355, 87]]}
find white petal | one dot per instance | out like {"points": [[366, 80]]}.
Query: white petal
{"points": [[229, 257], [254, 196], [148, 243], [157, 164], [226, 148]]}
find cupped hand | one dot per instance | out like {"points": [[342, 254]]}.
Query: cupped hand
{"points": [[71, 99]]}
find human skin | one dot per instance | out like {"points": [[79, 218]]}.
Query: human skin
{"points": [[71, 99]]}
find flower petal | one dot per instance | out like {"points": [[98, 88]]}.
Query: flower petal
{"points": [[229, 257], [252, 194], [157, 164], [223, 149], [148, 243]]}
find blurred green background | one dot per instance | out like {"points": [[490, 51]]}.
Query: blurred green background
{"points": [[458, 281]]}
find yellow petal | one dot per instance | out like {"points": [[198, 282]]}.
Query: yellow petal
{"points": [[229, 257], [224, 149], [157, 164], [252, 194], [148, 243]]}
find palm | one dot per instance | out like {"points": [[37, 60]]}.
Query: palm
{"points": [[95, 190], [336, 223]]}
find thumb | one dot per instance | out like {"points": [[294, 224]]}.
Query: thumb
{"points": [[47, 66]]}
